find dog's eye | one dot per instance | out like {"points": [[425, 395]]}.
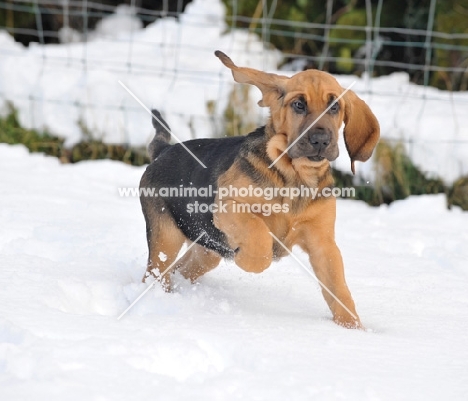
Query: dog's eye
{"points": [[299, 106], [334, 108]]}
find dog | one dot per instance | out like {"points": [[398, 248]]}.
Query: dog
{"points": [[288, 152]]}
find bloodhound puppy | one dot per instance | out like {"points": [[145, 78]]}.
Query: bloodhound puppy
{"points": [[228, 198]]}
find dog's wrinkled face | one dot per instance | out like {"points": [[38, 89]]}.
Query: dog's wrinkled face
{"points": [[296, 104], [310, 131]]}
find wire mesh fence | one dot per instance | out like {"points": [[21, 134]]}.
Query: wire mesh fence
{"points": [[66, 30], [51, 21]]}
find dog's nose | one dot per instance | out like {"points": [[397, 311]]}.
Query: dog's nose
{"points": [[319, 139]]}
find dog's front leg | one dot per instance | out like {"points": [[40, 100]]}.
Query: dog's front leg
{"points": [[318, 240], [325, 258], [247, 234]]}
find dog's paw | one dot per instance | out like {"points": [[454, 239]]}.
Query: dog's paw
{"points": [[348, 322], [252, 263], [155, 275]]}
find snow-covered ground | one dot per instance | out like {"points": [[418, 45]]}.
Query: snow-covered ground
{"points": [[72, 254], [170, 65]]}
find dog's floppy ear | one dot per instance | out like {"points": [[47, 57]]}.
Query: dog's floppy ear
{"points": [[362, 130], [271, 85]]}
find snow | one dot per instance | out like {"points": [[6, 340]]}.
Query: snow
{"points": [[170, 65], [432, 123], [72, 255], [61, 87], [123, 21]]}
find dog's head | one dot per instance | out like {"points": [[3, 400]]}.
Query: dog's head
{"points": [[300, 120]]}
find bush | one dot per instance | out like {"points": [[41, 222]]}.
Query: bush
{"points": [[396, 177], [458, 193]]}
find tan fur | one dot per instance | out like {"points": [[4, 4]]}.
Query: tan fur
{"points": [[197, 261], [361, 131], [165, 242], [308, 223]]}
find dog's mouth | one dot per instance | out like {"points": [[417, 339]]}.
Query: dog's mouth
{"points": [[305, 149], [317, 158]]}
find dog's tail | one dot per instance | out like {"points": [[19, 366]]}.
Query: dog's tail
{"points": [[161, 138]]}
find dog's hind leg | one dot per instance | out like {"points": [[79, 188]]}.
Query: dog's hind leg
{"points": [[164, 242], [197, 261]]}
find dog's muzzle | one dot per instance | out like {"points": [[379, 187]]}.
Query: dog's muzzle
{"points": [[319, 140], [316, 145]]}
